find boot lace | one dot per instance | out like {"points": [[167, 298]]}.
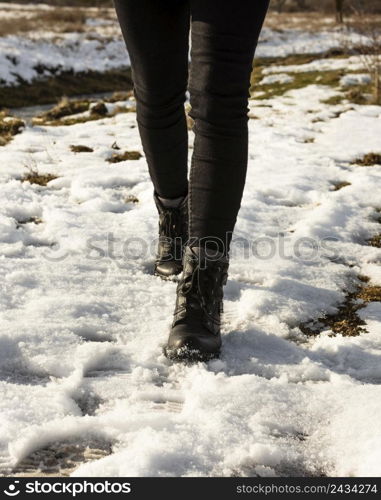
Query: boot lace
{"points": [[170, 230], [203, 285], [170, 223]]}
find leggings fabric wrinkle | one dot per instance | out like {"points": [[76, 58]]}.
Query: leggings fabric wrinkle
{"points": [[224, 36]]}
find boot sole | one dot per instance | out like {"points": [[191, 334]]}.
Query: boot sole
{"points": [[190, 355]]}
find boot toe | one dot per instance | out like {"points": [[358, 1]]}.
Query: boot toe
{"points": [[168, 269], [187, 344]]}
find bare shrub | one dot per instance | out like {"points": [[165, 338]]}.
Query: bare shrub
{"points": [[368, 26]]}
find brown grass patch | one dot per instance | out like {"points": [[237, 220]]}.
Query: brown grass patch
{"points": [[69, 3], [300, 80], [29, 220], [34, 177], [59, 20], [131, 199], [126, 155], [65, 107], [357, 95], [120, 96], [66, 111], [48, 90], [9, 126], [315, 21], [99, 109], [336, 186], [58, 15], [368, 160], [79, 148], [334, 100], [370, 293], [346, 321], [375, 241]]}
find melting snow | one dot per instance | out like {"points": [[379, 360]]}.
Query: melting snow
{"points": [[84, 320]]}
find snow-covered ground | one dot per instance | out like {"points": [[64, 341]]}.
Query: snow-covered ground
{"points": [[30, 58], [352, 63], [45, 51], [83, 319]]}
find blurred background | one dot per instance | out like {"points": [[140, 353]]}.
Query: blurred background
{"points": [[56, 49]]}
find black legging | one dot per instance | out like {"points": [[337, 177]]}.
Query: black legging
{"points": [[224, 35]]}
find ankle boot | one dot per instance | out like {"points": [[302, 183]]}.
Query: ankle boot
{"points": [[173, 234], [195, 332]]}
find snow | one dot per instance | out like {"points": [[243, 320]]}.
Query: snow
{"points": [[22, 57], [83, 318], [283, 42], [355, 79], [99, 47], [277, 78], [352, 63]]}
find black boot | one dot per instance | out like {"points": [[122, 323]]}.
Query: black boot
{"points": [[173, 234], [195, 333]]}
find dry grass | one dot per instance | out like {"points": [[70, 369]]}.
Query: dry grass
{"points": [[346, 320], [67, 3], [131, 199], [99, 109], [300, 80], [29, 220], [314, 21], [48, 90], [66, 112], [375, 241], [299, 20], [358, 95], [370, 293], [64, 108], [9, 126], [58, 20], [34, 177], [126, 155], [63, 19], [334, 100], [336, 186], [120, 96], [368, 160], [79, 148], [371, 21]]}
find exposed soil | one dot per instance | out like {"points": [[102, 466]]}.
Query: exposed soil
{"points": [[346, 321]]}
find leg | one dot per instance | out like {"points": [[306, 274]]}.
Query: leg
{"points": [[224, 38], [156, 34]]}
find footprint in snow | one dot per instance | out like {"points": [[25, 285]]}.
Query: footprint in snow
{"points": [[61, 458]]}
